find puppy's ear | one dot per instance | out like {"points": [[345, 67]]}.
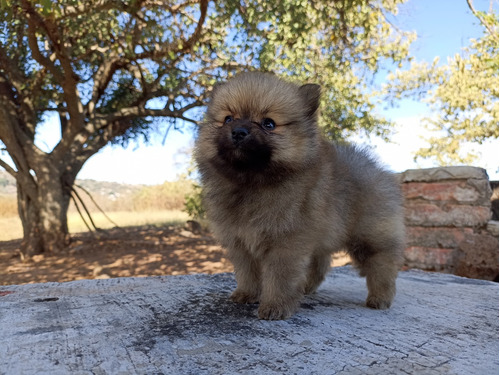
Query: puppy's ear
{"points": [[310, 94], [214, 90]]}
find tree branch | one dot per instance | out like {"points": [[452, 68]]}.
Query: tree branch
{"points": [[95, 203], [491, 30], [132, 112], [186, 45], [66, 78], [34, 21], [75, 194], [13, 131], [23, 179], [8, 168], [101, 80], [79, 211], [73, 11], [12, 71]]}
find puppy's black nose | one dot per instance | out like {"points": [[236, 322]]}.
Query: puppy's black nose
{"points": [[239, 134]]}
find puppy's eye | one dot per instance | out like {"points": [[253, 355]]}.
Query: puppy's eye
{"points": [[228, 119], [268, 124]]}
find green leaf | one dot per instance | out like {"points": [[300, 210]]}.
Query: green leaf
{"points": [[46, 6]]}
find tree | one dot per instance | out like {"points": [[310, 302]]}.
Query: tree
{"points": [[113, 69], [463, 95]]}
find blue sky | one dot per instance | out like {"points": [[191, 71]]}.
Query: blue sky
{"points": [[443, 27]]}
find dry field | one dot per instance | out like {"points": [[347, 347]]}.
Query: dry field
{"points": [[145, 244], [10, 227]]}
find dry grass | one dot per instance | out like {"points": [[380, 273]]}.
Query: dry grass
{"points": [[11, 228], [8, 206]]}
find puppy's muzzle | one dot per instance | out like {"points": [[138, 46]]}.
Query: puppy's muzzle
{"points": [[239, 134]]}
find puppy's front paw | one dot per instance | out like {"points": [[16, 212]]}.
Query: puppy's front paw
{"points": [[271, 311], [240, 296]]}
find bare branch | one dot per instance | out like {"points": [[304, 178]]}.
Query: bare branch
{"points": [[75, 194], [95, 203], [102, 78], [8, 168], [80, 212], [132, 112]]}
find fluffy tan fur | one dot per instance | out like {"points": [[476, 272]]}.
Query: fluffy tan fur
{"points": [[282, 199]]}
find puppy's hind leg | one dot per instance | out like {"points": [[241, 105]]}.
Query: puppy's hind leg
{"points": [[318, 268], [381, 270]]}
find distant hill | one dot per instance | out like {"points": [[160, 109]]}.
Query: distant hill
{"points": [[110, 190], [113, 196], [7, 184]]}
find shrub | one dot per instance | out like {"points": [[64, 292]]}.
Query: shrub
{"points": [[193, 203], [168, 196]]}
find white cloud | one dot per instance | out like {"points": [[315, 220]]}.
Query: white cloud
{"points": [[409, 136]]}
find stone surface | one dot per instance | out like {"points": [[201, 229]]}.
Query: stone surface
{"points": [[439, 324], [492, 227], [431, 258], [478, 256], [437, 237], [443, 173]]}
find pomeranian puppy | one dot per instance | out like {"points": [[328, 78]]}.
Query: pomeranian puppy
{"points": [[282, 199]]}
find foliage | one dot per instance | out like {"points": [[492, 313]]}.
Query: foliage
{"points": [[193, 203], [112, 70], [339, 44], [168, 196], [462, 95], [114, 197], [112, 62]]}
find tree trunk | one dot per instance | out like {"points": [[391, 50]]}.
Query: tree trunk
{"points": [[54, 196], [29, 214], [45, 228]]}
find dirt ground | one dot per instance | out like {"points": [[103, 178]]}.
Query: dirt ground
{"points": [[121, 252]]}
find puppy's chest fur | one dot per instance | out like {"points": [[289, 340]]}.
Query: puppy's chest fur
{"points": [[262, 217], [259, 211]]}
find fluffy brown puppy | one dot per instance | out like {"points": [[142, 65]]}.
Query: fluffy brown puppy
{"points": [[282, 199]]}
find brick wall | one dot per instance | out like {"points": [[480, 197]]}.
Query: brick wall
{"points": [[448, 219]]}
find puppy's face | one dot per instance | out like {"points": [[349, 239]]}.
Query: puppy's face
{"points": [[257, 124]]}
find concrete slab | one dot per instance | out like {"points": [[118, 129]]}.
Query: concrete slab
{"points": [[439, 324]]}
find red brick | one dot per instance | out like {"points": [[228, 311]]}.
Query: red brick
{"points": [[439, 237], [429, 258], [430, 215], [451, 191]]}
